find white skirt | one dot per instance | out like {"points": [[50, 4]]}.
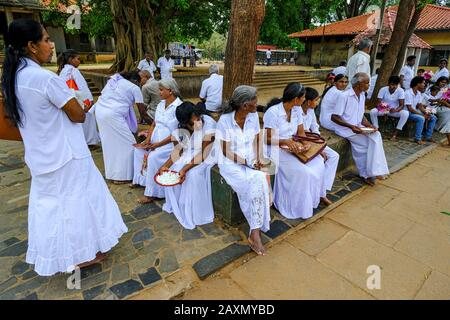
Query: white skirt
{"points": [[155, 161], [298, 186], [191, 202], [331, 166], [253, 192], [71, 217], [117, 144], [90, 130]]}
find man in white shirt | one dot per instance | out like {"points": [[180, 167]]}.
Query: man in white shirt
{"points": [[407, 72], [360, 61], [373, 82], [342, 69], [442, 72], [269, 57], [211, 91], [367, 148], [147, 64], [166, 65]]}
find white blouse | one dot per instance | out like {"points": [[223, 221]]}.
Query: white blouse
{"points": [[276, 119], [165, 120], [241, 141], [51, 139], [310, 121]]}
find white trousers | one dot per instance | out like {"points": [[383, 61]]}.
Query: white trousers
{"points": [[403, 115], [368, 153]]}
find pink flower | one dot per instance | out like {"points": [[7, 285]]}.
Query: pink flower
{"points": [[446, 94], [383, 107], [428, 74]]}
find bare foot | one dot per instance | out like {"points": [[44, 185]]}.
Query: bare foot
{"points": [[146, 200], [445, 145], [119, 182], [369, 181], [98, 258], [420, 142], [394, 139], [431, 140], [326, 201], [256, 244]]}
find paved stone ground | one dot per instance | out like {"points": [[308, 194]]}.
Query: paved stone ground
{"points": [[156, 250], [402, 226]]}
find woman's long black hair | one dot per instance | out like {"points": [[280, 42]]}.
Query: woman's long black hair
{"points": [[64, 58], [293, 90], [184, 113], [20, 33]]}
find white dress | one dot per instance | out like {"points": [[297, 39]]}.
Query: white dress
{"points": [[165, 124], [112, 110], [297, 186], [367, 149], [89, 125], [251, 186], [72, 215], [327, 107], [310, 124], [191, 202]]}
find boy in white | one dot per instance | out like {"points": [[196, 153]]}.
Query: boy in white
{"points": [[394, 96], [407, 72], [367, 149]]}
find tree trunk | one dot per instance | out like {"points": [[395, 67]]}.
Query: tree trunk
{"points": [[245, 22], [373, 57], [409, 32], [405, 9]]}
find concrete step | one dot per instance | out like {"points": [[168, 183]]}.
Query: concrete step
{"points": [[271, 82], [283, 76]]}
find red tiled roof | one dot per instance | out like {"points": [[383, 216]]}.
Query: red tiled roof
{"points": [[432, 18], [265, 47]]}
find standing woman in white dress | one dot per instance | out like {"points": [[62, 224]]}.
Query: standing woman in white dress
{"points": [[159, 140], [72, 217], [329, 99], [68, 63], [191, 202], [238, 138], [117, 122], [297, 186], [329, 156]]}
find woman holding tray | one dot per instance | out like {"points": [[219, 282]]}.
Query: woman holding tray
{"points": [[191, 200], [297, 186]]}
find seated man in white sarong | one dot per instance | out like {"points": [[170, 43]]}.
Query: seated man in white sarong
{"points": [[367, 148]]}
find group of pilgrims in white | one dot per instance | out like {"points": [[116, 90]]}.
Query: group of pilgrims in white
{"points": [[73, 218]]}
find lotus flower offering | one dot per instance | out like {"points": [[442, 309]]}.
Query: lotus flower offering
{"points": [[383, 107], [429, 110], [446, 94], [168, 178], [428, 74]]}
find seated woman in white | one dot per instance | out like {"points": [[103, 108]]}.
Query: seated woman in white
{"points": [[238, 136], [329, 156], [297, 185], [117, 122], [158, 143], [329, 99], [68, 63], [394, 96], [191, 202]]}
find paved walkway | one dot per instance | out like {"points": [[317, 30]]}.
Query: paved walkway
{"points": [[397, 226]]}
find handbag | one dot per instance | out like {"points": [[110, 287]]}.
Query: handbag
{"points": [[8, 131], [318, 144]]}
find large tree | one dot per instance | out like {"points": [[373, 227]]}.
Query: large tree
{"points": [[147, 25], [404, 12], [245, 22]]}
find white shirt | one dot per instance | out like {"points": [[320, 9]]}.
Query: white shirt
{"points": [[351, 110], [240, 141], [276, 119], [393, 100], [120, 99], [441, 73], [340, 70], [327, 107], [310, 121], [412, 99], [212, 91], [70, 72], [359, 62], [50, 138], [373, 82], [408, 74], [165, 66], [165, 120], [268, 54], [149, 66]]}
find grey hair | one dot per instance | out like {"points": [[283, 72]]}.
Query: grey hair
{"points": [[365, 43], [241, 95], [214, 68], [358, 78], [170, 84], [146, 72]]}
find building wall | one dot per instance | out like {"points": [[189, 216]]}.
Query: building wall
{"points": [[57, 36], [334, 50], [435, 38]]}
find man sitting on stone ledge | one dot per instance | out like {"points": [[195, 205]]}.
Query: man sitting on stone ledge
{"points": [[367, 148]]}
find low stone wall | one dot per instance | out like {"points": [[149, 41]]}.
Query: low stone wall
{"points": [[320, 74]]}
